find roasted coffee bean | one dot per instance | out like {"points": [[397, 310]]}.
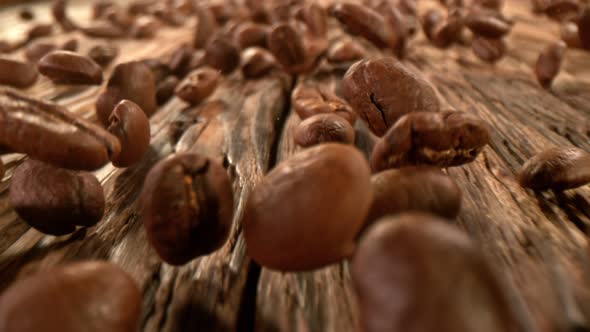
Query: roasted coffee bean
{"points": [[103, 54], [165, 89], [187, 207], [287, 45], [70, 45], [569, 34], [119, 17], [439, 279], [197, 60], [397, 22], [144, 28], [26, 14], [487, 26], [257, 62], [83, 296], [158, 67], [100, 7], [449, 31], [557, 169], [549, 62], [382, 90], [308, 100], [38, 49], [584, 27], [39, 30], [323, 128], [17, 74], [562, 10], [306, 213], [64, 67], [423, 189], [444, 139], [100, 29], [180, 59], [408, 7], [60, 15], [251, 34], [130, 125], [55, 200], [314, 16], [222, 54], [345, 50], [198, 85], [168, 15], [364, 21], [488, 50], [431, 19], [133, 81], [206, 26], [75, 142]]}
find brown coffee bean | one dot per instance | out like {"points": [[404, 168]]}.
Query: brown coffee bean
{"points": [[198, 85], [347, 50], [291, 225], [103, 54], [180, 59], [119, 17], [491, 4], [168, 15], [64, 67], [308, 100], [206, 26], [423, 189], [557, 169], [38, 49], [488, 50], [100, 7], [75, 142], [323, 128], [187, 207], [222, 54], [144, 28], [569, 34], [382, 90], [584, 27], [257, 62], [396, 20], [314, 16], [60, 15], [158, 67], [103, 29], [130, 125], [549, 63], [562, 10], [55, 200], [363, 21], [431, 19], [446, 33], [487, 26], [444, 139], [70, 45], [26, 14], [250, 34], [287, 45], [408, 7], [439, 279], [83, 296], [133, 81], [39, 30], [165, 89], [17, 74]]}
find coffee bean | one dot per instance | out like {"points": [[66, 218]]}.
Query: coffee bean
{"points": [[345, 50], [130, 125], [133, 81], [39, 30], [397, 22], [439, 279], [119, 17], [444, 139], [323, 128], [197, 60], [251, 34], [287, 45], [198, 85], [308, 100], [180, 59], [314, 16], [206, 26], [17, 74], [83, 296], [584, 27], [64, 67], [103, 54], [55, 200], [144, 28], [363, 21], [26, 14], [423, 189], [446, 33], [569, 34], [101, 29], [168, 15], [491, 4], [38, 49], [557, 169], [70, 45], [549, 62], [165, 89], [562, 10], [431, 19], [187, 207], [382, 90], [257, 62], [306, 213], [158, 67], [222, 54], [487, 26], [75, 142], [100, 7], [60, 15], [488, 50]]}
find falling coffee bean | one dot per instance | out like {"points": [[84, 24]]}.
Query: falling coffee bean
{"points": [[557, 169], [38, 49], [250, 34], [120, 18], [382, 90], [257, 62], [82, 296], [75, 142], [130, 125], [439, 279], [306, 213], [64, 67], [16, 73], [396, 20], [187, 207], [323, 128], [198, 85], [315, 18], [55, 200], [487, 26], [488, 50], [165, 89], [222, 54], [444, 139], [549, 63], [287, 45], [308, 100], [347, 50], [103, 54], [364, 21]]}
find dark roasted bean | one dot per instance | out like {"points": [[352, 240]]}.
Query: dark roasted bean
{"points": [[103, 54], [26, 14], [308, 100], [563, 10], [198, 85], [488, 50], [569, 34], [165, 89], [290, 225], [64, 67], [449, 31], [206, 26], [17, 74], [398, 23], [346, 50], [491, 4], [130, 125], [101, 29], [323, 128], [584, 27], [2, 169], [187, 207], [549, 62], [557, 169], [180, 59], [60, 15], [222, 54], [287, 45], [257, 62], [39, 30], [251, 34], [38, 49], [443, 139], [70, 45], [487, 26]]}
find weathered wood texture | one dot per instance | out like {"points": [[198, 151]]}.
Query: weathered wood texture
{"points": [[537, 242]]}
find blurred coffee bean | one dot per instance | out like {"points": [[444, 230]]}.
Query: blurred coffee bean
{"points": [[250, 34], [103, 54], [487, 26], [26, 14], [38, 49], [584, 27], [557, 169], [345, 50], [198, 85], [206, 26], [308, 100], [569, 34], [257, 62], [563, 10], [16, 73], [144, 28], [287, 45], [101, 29], [488, 50], [165, 89], [180, 59], [70, 45], [222, 54], [64, 67], [549, 63], [323, 128], [61, 17]]}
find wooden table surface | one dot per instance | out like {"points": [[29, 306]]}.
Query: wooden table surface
{"points": [[536, 242]]}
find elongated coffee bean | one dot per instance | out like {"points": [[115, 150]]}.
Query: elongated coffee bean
{"points": [[257, 62], [307, 211], [488, 50], [549, 62], [382, 90], [103, 54], [75, 142], [55, 200], [557, 169], [130, 125], [439, 279], [206, 26], [364, 21], [323, 128], [198, 85], [443, 139], [345, 51], [84, 296], [487, 26], [251, 34], [187, 207], [38, 49], [308, 100], [66, 67], [287, 45], [17, 74]]}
